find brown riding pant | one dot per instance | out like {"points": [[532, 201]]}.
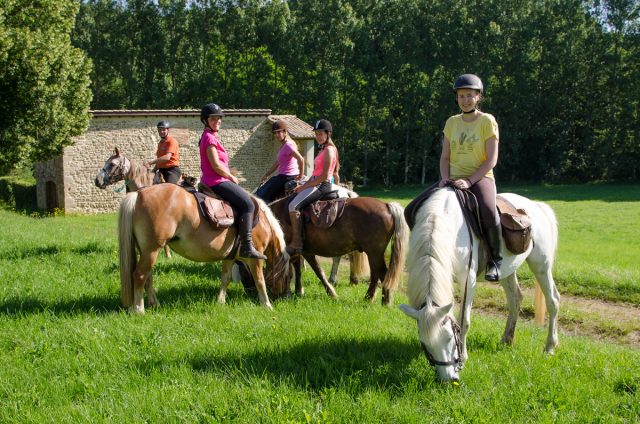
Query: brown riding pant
{"points": [[485, 192]]}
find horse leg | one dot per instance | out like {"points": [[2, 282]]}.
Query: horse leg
{"points": [[255, 266], [227, 269], [152, 298], [552, 300], [514, 300], [297, 269], [313, 261], [141, 275], [334, 270], [167, 251], [466, 308], [378, 270]]}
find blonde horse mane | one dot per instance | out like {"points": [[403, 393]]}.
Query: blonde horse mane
{"points": [[431, 250], [279, 270]]}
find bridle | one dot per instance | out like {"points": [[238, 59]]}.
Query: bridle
{"points": [[458, 362], [119, 171]]}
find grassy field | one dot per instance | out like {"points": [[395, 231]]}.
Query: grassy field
{"points": [[70, 354]]}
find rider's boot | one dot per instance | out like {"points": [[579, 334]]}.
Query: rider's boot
{"points": [[495, 260], [247, 250], [295, 246]]}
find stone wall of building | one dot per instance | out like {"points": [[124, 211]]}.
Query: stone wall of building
{"points": [[247, 139]]}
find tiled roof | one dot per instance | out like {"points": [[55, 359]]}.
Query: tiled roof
{"points": [[177, 112], [298, 129]]}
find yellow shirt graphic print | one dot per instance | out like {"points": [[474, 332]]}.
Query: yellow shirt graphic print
{"points": [[467, 143]]}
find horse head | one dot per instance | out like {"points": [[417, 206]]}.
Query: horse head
{"points": [[439, 335], [115, 168]]}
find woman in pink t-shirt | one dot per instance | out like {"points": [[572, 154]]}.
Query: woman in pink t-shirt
{"points": [[214, 162], [325, 166], [289, 163]]}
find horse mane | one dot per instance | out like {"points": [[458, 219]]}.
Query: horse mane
{"points": [[140, 174], [280, 262], [431, 252]]}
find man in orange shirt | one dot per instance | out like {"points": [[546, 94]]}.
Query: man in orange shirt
{"points": [[167, 157]]}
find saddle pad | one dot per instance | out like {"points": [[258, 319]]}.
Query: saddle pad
{"points": [[324, 213]]}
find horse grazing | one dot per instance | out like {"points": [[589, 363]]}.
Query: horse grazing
{"points": [[366, 225], [136, 176], [168, 214], [443, 250]]}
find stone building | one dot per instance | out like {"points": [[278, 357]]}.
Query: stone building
{"points": [[67, 182]]}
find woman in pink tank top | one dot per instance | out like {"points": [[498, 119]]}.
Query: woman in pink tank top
{"points": [[325, 167], [289, 164]]}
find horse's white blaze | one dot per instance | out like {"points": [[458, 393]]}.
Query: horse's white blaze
{"points": [[439, 249]]}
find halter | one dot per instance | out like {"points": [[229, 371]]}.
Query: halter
{"points": [[457, 362], [119, 170]]}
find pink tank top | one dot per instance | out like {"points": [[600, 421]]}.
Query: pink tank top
{"points": [[318, 162]]}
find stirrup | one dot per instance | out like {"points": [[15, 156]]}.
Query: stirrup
{"points": [[251, 254], [493, 272]]}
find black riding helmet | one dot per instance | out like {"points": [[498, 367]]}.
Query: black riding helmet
{"points": [[323, 124], [468, 81], [211, 109], [164, 124]]}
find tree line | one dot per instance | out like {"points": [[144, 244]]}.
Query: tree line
{"points": [[562, 77]]}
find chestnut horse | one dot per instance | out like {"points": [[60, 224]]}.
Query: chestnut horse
{"points": [[366, 225], [168, 214]]}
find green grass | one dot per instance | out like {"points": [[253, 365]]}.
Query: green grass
{"points": [[599, 236], [70, 354]]}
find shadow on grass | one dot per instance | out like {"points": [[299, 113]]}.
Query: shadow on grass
{"points": [[357, 365], [26, 252]]}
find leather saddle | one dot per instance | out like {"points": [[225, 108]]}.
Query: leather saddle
{"points": [[516, 224], [215, 209], [324, 212]]}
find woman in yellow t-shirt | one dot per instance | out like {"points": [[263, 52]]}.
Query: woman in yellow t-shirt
{"points": [[469, 154]]}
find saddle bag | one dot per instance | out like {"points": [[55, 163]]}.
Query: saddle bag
{"points": [[217, 210], [516, 229]]}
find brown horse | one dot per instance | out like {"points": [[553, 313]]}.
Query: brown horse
{"points": [[366, 225], [168, 214]]}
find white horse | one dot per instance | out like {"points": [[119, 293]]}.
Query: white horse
{"points": [[442, 250]]}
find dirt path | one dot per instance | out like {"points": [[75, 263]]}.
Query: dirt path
{"points": [[612, 322]]}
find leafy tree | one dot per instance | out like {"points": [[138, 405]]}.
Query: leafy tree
{"points": [[44, 80]]}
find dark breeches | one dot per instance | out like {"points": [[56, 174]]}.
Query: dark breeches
{"points": [[273, 188], [236, 196]]}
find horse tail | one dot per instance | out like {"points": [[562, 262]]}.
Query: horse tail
{"points": [[553, 226], [399, 250], [359, 263], [431, 250], [126, 243], [277, 275]]}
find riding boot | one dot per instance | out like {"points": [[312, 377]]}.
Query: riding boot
{"points": [[495, 260], [295, 246], [247, 250]]}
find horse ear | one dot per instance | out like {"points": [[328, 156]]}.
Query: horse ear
{"points": [[442, 312], [409, 311], [117, 152]]}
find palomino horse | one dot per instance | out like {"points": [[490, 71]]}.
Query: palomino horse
{"points": [[135, 175], [442, 249], [366, 225], [168, 214]]}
